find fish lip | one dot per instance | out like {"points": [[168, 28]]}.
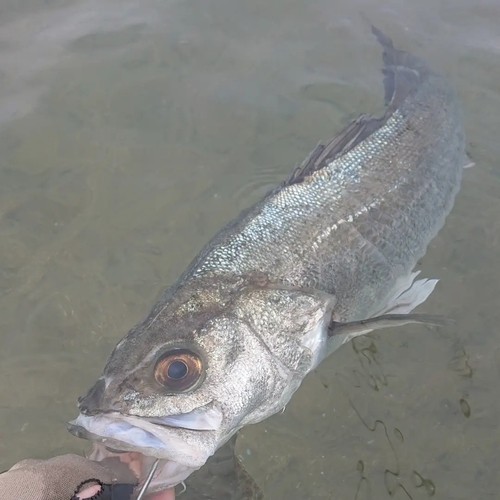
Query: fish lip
{"points": [[129, 433], [204, 418]]}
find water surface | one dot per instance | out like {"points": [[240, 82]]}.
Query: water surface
{"points": [[131, 131]]}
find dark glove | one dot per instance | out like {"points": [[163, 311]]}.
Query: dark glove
{"points": [[108, 491], [60, 478]]}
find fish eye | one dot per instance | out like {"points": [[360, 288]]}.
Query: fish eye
{"points": [[178, 370]]}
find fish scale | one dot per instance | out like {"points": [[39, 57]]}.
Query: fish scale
{"points": [[409, 171]]}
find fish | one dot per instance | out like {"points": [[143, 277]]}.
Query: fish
{"points": [[324, 257]]}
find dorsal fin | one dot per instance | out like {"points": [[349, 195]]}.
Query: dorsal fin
{"points": [[403, 73]]}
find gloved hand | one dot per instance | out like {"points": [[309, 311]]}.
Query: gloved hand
{"points": [[63, 477]]}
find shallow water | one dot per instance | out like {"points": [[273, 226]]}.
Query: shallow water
{"points": [[131, 131]]}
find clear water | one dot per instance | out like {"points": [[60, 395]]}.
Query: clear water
{"points": [[130, 131]]}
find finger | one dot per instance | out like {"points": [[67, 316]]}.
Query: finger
{"points": [[89, 492]]}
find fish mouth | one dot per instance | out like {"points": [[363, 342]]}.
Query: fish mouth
{"points": [[168, 473], [183, 443]]}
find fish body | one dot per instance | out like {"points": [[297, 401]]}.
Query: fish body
{"points": [[361, 210], [274, 292]]}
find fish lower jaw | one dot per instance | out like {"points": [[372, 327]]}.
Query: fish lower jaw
{"points": [[138, 443], [168, 473]]}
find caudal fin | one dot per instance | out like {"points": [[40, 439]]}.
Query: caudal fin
{"points": [[403, 72]]}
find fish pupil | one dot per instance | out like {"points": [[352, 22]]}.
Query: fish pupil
{"points": [[177, 370]]}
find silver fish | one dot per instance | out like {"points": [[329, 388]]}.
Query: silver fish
{"points": [[326, 256]]}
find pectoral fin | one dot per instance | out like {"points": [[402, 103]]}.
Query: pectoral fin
{"points": [[340, 333]]}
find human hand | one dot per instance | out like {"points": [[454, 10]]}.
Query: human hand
{"points": [[90, 491], [68, 476]]}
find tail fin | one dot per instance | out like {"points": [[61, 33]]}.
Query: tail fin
{"points": [[403, 72]]}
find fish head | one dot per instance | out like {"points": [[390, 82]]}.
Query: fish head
{"points": [[205, 362]]}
